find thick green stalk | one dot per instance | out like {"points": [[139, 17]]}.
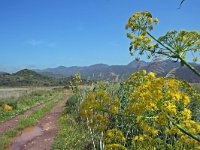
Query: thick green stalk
{"points": [[187, 133], [183, 130], [189, 66], [178, 57], [159, 42]]}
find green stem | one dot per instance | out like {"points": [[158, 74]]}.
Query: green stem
{"points": [[183, 130], [124, 115], [189, 66], [171, 50]]}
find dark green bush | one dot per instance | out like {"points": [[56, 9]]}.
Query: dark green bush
{"points": [[71, 104], [12, 103], [1, 103]]}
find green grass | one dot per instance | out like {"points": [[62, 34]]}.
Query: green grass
{"points": [[24, 103], [5, 140], [72, 133]]}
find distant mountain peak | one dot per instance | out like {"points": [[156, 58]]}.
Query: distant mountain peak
{"points": [[99, 65], [25, 71], [136, 64], [61, 67]]}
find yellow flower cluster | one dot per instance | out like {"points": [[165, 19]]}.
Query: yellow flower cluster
{"points": [[184, 142], [114, 139], [97, 107], [182, 42], [7, 107], [152, 113], [140, 23], [156, 100], [115, 147], [139, 138]]}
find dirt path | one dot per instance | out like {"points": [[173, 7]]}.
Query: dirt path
{"points": [[10, 124], [41, 136]]}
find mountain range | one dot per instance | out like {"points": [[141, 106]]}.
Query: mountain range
{"points": [[61, 75], [112, 72]]}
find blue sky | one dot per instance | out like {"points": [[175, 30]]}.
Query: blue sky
{"points": [[49, 33]]}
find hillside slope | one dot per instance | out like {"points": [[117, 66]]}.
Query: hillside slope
{"points": [[27, 77]]}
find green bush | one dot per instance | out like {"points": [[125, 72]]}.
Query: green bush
{"points": [[71, 104], [1, 103], [12, 103]]}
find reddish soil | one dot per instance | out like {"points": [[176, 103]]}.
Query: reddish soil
{"points": [[10, 124], [45, 138]]}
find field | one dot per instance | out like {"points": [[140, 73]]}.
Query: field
{"points": [[21, 108], [17, 92], [13, 92]]}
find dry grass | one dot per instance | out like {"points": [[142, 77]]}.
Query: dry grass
{"points": [[17, 92]]}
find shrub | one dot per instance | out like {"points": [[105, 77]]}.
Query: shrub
{"points": [[12, 103], [155, 112]]}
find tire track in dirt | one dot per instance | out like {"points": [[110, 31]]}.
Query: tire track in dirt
{"points": [[10, 124], [48, 126]]}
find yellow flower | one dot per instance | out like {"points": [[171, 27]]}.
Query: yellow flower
{"points": [[113, 109], [186, 114], [150, 20], [139, 38], [115, 146], [152, 46], [139, 138], [148, 40], [154, 132], [184, 39], [143, 72], [195, 59], [174, 130], [177, 96], [99, 117], [151, 74], [136, 15], [161, 120], [170, 108], [116, 102], [151, 106], [109, 133], [156, 20], [106, 100], [130, 36], [186, 99], [7, 107]]}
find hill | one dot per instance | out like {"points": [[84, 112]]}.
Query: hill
{"points": [[27, 77], [104, 71]]}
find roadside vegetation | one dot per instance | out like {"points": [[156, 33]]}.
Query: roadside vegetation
{"points": [[31, 120], [12, 107], [144, 111], [72, 133]]}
